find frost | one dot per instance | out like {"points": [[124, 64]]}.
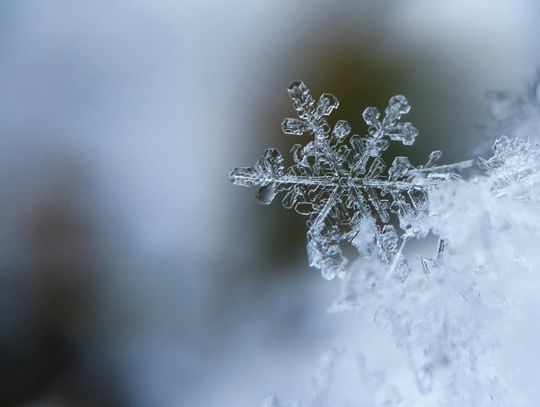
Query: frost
{"points": [[449, 315], [512, 161], [454, 313], [342, 184]]}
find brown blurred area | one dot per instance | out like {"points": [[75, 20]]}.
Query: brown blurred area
{"points": [[50, 302]]}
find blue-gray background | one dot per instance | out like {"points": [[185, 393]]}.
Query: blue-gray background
{"points": [[131, 272]]}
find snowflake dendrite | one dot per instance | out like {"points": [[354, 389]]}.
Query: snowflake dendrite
{"points": [[339, 181]]}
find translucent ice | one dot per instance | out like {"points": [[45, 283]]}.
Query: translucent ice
{"points": [[339, 179]]}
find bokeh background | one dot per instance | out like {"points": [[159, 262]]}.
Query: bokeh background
{"points": [[131, 272]]}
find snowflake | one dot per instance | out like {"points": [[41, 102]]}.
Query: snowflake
{"points": [[338, 180]]}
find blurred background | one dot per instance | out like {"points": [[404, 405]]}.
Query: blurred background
{"points": [[131, 272]]}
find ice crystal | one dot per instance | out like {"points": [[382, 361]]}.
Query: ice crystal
{"points": [[512, 161], [342, 184]]}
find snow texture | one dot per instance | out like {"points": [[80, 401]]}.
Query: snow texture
{"points": [[454, 314]]}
